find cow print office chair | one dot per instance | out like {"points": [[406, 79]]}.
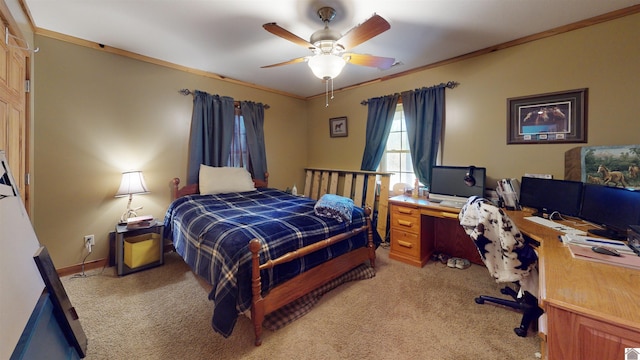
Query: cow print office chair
{"points": [[508, 256]]}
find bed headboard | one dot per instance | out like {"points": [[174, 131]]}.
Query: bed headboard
{"points": [[365, 188], [194, 189]]}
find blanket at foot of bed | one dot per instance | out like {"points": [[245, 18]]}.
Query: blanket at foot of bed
{"points": [[303, 305]]}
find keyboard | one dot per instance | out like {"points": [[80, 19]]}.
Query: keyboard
{"points": [[452, 204], [556, 226]]}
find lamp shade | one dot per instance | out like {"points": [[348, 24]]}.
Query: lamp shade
{"points": [[132, 183], [326, 66]]}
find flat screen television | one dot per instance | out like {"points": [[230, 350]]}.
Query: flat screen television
{"points": [[547, 196], [448, 182], [612, 208]]}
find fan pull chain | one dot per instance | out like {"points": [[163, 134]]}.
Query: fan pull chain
{"points": [[326, 93], [331, 88]]}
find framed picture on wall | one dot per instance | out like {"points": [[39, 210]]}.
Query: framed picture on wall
{"points": [[558, 117], [338, 127]]}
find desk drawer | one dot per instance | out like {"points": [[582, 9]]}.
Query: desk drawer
{"points": [[405, 211], [405, 242], [408, 223]]}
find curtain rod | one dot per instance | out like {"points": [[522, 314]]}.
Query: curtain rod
{"points": [[448, 84], [186, 92]]}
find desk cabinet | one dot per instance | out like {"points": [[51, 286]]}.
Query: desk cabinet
{"points": [[406, 243], [418, 229], [576, 336]]}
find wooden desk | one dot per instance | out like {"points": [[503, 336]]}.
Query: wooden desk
{"points": [[420, 228], [592, 309]]}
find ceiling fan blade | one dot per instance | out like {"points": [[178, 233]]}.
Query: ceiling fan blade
{"points": [[287, 35], [382, 63], [292, 61], [374, 26]]}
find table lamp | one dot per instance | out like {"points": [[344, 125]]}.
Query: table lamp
{"points": [[132, 183]]}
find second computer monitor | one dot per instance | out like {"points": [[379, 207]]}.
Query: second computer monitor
{"points": [[549, 195], [612, 208]]}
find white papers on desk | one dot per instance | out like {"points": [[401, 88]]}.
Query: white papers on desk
{"points": [[587, 241], [556, 225], [580, 248]]}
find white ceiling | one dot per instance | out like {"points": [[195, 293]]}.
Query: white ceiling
{"points": [[226, 37]]}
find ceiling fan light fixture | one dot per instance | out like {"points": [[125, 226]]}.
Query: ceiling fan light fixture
{"points": [[327, 47], [326, 66], [326, 34]]}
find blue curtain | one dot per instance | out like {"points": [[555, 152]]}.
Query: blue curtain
{"points": [[239, 154], [253, 115], [423, 110], [212, 124], [379, 120]]}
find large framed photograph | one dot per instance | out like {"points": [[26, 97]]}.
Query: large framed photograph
{"points": [[558, 117], [338, 127]]}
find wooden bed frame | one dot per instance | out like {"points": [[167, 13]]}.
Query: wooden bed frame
{"points": [[304, 283], [369, 189]]}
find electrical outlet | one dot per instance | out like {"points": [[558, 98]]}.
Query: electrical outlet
{"points": [[89, 241], [90, 238]]}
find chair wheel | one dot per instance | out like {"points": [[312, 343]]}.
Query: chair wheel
{"points": [[520, 332], [479, 300], [504, 291]]}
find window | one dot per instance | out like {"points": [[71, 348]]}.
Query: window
{"points": [[397, 157], [239, 155]]}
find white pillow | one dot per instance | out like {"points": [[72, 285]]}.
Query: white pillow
{"points": [[216, 180]]}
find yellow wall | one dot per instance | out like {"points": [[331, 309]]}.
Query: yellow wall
{"points": [[604, 58], [97, 114]]}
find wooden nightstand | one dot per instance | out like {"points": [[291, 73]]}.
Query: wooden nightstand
{"points": [[139, 249]]}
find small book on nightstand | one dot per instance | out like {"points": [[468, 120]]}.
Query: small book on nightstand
{"points": [[140, 222]]}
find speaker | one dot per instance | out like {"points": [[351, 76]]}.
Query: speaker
{"points": [[469, 180]]}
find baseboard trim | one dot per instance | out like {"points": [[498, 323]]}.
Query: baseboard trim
{"points": [[75, 269], [106, 262]]}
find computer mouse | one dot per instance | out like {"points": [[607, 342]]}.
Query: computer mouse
{"points": [[605, 250]]}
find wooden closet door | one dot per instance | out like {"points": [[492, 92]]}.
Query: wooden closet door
{"points": [[13, 124]]}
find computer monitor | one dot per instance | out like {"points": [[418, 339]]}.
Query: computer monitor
{"points": [[448, 182], [547, 196], [612, 208]]}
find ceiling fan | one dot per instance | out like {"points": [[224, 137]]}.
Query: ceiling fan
{"points": [[330, 48]]}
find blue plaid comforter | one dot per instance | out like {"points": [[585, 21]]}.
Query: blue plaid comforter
{"points": [[212, 233]]}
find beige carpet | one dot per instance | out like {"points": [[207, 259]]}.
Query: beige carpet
{"points": [[402, 313]]}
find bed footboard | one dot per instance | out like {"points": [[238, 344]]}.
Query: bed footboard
{"points": [[306, 282]]}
